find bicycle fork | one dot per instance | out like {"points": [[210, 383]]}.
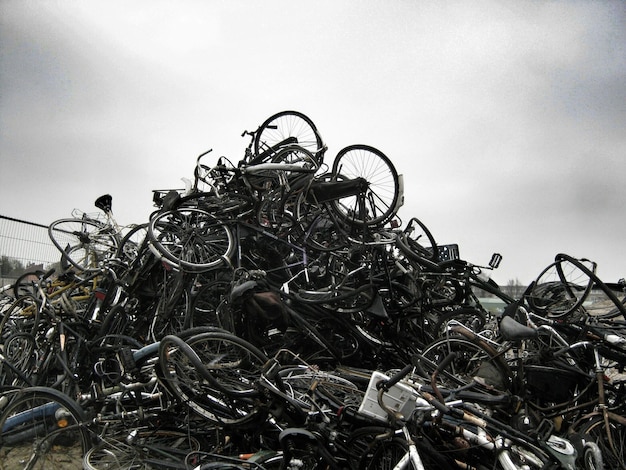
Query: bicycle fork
{"points": [[412, 458]]}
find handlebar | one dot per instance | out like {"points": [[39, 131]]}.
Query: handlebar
{"points": [[433, 378], [385, 385]]}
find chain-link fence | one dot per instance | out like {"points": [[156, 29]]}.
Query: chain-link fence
{"points": [[24, 246]]}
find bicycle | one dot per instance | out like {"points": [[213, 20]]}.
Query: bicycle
{"points": [[463, 429], [123, 419], [280, 129], [527, 360], [41, 429], [183, 227], [85, 241], [40, 331]]}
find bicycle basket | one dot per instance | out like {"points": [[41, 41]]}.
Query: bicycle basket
{"points": [[552, 384]]}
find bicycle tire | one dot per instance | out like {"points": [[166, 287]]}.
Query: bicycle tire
{"points": [[418, 244], [196, 373], [83, 243], [25, 284], [383, 454], [146, 449], [21, 316], [592, 457], [340, 335], [472, 362], [191, 239], [18, 330], [204, 310], [233, 362], [303, 388], [170, 312], [226, 206], [606, 306], [42, 428], [372, 330], [561, 288], [381, 201], [133, 244], [19, 356], [284, 124], [322, 231], [472, 318], [342, 299], [614, 456], [123, 320], [297, 155]]}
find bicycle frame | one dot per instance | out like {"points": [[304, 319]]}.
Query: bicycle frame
{"points": [[577, 408], [492, 435]]}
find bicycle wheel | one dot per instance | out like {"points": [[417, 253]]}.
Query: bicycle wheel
{"points": [[562, 287], [383, 454], [472, 318], [121, 320], [22, 316], [418, 244], [228, 205], [42, 429], [607, 301], [83, 243], [214, 374], [27, 283], [386, 454], [133, 244], [191, 239], [281, 126], [611, 439], [171, 309], [382, 198], [131, 450], [205, 310], [472, 362], [340, 335], [18, 329], [233, 363], [321, 230]]}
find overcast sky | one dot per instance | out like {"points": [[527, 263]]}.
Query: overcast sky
{"points": [[506, 118]]}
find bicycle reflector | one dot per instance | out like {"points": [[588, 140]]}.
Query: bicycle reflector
{"points": [[61, 416]]}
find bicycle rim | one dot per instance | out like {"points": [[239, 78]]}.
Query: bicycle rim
{"points": [[41, 429]]}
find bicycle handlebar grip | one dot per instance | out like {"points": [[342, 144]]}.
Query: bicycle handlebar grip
{"points": [[442, 407], [454, 412], [387, 384], [470, 418], [49, 273], [446, 362]]}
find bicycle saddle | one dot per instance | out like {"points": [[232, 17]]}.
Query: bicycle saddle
{"points": [[511, 329], [322, 191], [104, 202]]}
